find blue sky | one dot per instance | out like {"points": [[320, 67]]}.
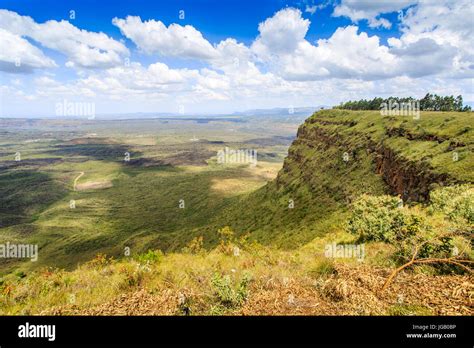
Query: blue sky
{"points": [[225, 56], [217, 21]]}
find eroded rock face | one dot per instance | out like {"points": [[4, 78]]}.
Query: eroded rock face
{"points": [[413, 181]]}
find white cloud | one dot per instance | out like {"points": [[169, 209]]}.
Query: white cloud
{"points": [[157, 76], [232, 56], [423, 50], [311, 9], [371, 10], [346, 54], [281, 33], [436, 58], [153, 37], [438, 34], [18, 55], [174, 41], [281, 67], [83, 48]]}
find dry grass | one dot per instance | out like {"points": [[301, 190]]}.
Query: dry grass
{"points": [[230, 187], [256, 177], [281, 283], [93, 185]]}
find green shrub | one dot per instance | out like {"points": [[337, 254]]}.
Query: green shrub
{"points": [[227, 240], [323, 268], [100, 261], [383, 218], [435, 235], [438, 247], [195, 246], [152, 256], [456, 202], [132, 276], [227, 295]]}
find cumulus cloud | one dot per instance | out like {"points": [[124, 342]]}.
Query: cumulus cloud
{"points": [[157, 76], [422, 50], [346, 54], [281, 33], [232, 56], [371, 10], [436, 58], [177, 41], [17, 55], [174, 41], [83, 48], [280, 67], [439, 33]]}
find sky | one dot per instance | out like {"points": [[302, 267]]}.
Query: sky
{"points": [[202, 56]]}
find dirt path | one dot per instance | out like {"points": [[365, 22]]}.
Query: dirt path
{"points": [[77, 178]]}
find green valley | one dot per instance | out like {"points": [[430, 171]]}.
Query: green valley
{"points": [[152, 194]]}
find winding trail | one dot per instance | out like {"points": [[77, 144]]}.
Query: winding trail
{"points": [[77, 178]]}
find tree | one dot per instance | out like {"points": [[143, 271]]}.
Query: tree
{"points": [[430, 102]]}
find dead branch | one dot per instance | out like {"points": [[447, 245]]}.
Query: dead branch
{"points": [[413, 261]]}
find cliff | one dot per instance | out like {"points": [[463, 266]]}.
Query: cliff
{"points": [[338, 155]]}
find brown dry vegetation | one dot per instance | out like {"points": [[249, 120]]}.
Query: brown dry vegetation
{"points": [[353, 291], [279, 283], [93, 185]]}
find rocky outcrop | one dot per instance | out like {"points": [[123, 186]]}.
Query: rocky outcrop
{"points": [[413, 181]]}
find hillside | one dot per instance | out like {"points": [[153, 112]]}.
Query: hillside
{"points": [[339, 155], [265, 252]]}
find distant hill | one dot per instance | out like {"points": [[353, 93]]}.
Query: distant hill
{"points": [[280, 111], [185, 115]]}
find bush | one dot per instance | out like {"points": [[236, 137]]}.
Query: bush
{"points": [[227, 240], [20, 274], [323, 268], [228, 296], [133, 276], [383, 218], [456, 202], [437, 247], [100, 261], [152, 256], [195, 246]]}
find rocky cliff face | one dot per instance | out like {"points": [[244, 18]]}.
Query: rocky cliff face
{"points": [[332, 153], [410, 180]]}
